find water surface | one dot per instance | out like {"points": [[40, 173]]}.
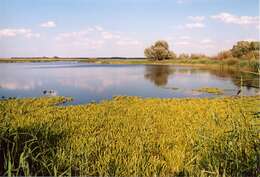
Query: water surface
{"points": [[94, 82]]}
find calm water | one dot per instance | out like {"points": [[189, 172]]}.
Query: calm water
{"points": [[94, 82]]}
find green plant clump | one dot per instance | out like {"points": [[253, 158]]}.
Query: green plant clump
{"points": [[210, 90], [130, 136]]}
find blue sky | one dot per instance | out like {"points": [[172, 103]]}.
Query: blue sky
{"points": [[96, 28]]}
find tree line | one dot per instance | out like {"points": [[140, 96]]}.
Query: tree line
{"points": [[241, 50]]}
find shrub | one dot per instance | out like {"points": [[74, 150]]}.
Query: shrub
{"points": [[224, 55], [231, 61], [254, 65], [197, 56]]}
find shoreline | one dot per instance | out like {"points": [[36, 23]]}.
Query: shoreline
{"points": [[202, 63]]}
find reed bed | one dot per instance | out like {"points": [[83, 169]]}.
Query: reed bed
{"points": [[130, 136]]}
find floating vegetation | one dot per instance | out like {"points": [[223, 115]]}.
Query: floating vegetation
{"points": [[130, 136], [171, 88], [210, 90]]}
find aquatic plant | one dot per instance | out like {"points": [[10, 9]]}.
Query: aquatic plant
{"points": [[212, 90], [130, 136]]}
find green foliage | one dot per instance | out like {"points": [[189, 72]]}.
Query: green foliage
{"points": [[197, 56], [224, 55], [255, 65], [130, 136], [159, 51], [231, 61], [246, 50]]}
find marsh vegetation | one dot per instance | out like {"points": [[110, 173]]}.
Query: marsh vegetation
{"points": [[130, 136]]}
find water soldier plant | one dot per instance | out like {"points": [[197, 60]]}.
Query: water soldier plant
{"points": [[130, 136], [212, 90]]}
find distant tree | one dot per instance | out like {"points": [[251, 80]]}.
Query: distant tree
{"points": [[197, 56], [184, 56], [224, 55], [255, 45], [255, 49], [246, 50], [159, 51], [172, 55], [240, 49]]}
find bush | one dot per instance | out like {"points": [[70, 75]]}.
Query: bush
{"points": [[224, 55], [197, 56], [254, 65], [232, 61]]}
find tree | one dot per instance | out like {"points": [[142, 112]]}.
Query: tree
{"points": [[246, 49], [240, 49], [224, 55], [254, 45], [159, 51], [197, 56], [184, 56]]}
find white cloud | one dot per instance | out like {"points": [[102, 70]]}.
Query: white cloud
{"points": [[13, 32], [238, 20], [196, 18], [109, 35], [182, 43], [250, 39], [123, 42], [72, 35], [32, 35], [9, 32], [185, 37], [99, 28], [194, 25], [181, 1], [93, 38], [48, 24], [206, 41]]}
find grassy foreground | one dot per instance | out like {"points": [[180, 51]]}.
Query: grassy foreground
{"points": [[130, 136]]}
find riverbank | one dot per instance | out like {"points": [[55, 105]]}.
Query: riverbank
{"points": [[242, 65], [130, 136]]}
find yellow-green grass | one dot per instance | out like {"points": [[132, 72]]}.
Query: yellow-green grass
{"points": [[130, 136], [212, 90]]}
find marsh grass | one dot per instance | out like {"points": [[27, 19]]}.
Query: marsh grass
{"points": [[130, 136]]}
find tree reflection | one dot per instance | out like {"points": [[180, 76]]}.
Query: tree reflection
{"points": [[248, 80], [158, 74]]}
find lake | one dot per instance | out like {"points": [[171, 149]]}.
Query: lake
{"points": [[94, 82]]}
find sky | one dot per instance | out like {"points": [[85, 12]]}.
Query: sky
{"points": [[108, 28]]}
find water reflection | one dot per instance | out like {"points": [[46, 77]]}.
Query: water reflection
{"points": [[249, 80], [158, 74], [90, 82]]}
